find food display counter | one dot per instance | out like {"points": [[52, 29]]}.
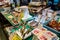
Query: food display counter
{"points": [[35, 22]]}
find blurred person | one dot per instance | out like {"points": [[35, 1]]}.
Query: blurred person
{"points": [[24, 2]]}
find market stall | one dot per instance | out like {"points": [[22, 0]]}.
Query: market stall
{"points": [[35, 21]]}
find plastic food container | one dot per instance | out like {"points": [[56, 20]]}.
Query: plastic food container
{"points": [[51, 29], [43, 34], [14, 36]]}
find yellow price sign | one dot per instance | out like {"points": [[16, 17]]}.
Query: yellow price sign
{"points": [[16, 37]]}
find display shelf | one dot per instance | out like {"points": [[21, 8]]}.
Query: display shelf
{"points": [[10, 20]]}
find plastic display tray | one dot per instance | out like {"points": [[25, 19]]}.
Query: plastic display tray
{"points": [[6, 16], [27, 27], [51, 29]]}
